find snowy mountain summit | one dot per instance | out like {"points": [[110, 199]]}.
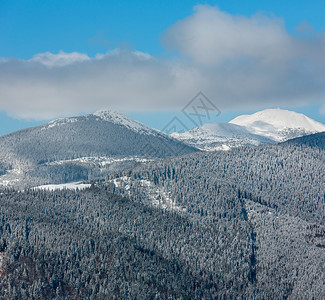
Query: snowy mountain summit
{"points": [[268, 126], [81, 147], [121, 119], [109, 116], [278, 124]]}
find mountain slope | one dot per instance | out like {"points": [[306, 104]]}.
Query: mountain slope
{"points": [[241, 224], [220, 136], [101, 135], [264, 127], [266, 203], [316, 140], [288, 177], [279, 124]]}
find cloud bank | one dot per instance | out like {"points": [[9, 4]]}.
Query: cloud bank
{"points": [[238, 62]]}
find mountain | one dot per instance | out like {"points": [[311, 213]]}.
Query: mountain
{"points": [[89, 146], [220, 136], [316, 140], [279, 124], [76, 148], [259, 212], [264, 127], [247, 223]]}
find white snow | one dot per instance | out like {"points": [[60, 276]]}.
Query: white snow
{"points": [[121, 119], [225, 147], [279, 119], [69, 186], [109, 116], [217, 130], [2, 255], [264, 127], [11, 177], [101, 160], [277, 123], [155, 196], [220, 136], [59, 122]]}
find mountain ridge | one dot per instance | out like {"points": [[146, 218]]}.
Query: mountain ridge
{"points": [[103, 135], [268, 126], [83, 147]]}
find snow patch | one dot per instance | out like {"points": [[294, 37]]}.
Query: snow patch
{"points": [[59, 122], [69, 186], [101, 160], [11, 177], [155, 196], [2, 256]]}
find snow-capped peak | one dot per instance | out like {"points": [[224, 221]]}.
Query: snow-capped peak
{"points": [[279, 119], [121, 119], [264, 127], [278, 123], [109, 116]]}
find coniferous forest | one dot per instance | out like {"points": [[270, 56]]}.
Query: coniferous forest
{"points": [[248, 223]]}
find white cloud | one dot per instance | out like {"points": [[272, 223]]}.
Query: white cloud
{"points": [[211, 36], [61, 59], [117, 80], [236, 61]]}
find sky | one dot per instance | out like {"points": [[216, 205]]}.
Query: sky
{"points": [[150, 58]]}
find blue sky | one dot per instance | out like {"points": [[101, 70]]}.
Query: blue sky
{"points": [[30, 28]]}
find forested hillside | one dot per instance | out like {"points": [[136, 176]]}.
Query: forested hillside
{"points": [[242, 224], [288, 177], [282, 192], [315, 140], [94, 244], [80, 148]]}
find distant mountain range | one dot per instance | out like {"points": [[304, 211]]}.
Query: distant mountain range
{"points": [[264, 127], [90, 146]]}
